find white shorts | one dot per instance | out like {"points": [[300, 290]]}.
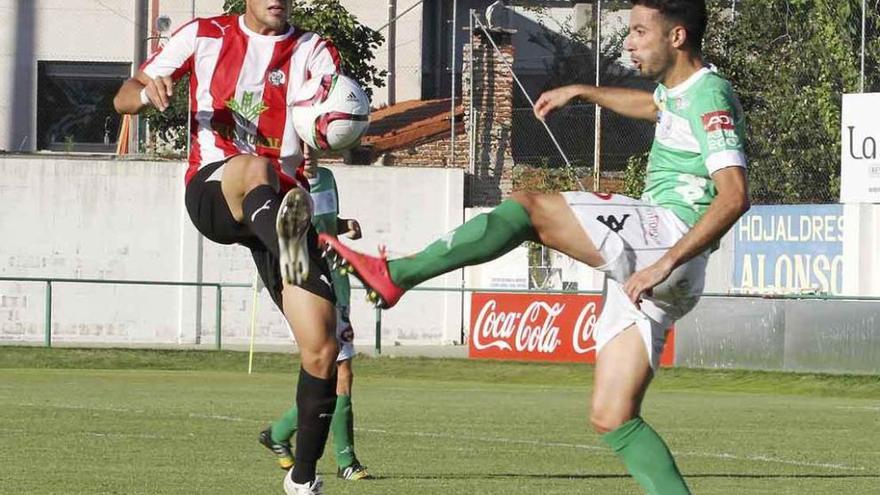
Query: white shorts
{"points": [[630, 235], [344, 334]]}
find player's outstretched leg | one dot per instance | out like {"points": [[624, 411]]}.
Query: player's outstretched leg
{"points": [[485, 237], [546, 218]]}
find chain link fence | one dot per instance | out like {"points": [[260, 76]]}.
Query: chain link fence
{"points": [[788, 76]]}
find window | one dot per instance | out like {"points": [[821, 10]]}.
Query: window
{"points": [[75, 105]]}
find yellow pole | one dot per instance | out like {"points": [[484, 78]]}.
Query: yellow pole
{"points": [[253, 320]]}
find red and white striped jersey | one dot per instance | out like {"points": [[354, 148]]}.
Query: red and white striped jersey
{"points": [[242, 86]]}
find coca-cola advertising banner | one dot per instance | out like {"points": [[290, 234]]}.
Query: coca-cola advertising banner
{"points": [[540, 327]]}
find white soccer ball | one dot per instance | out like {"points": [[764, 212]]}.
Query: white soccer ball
{"points": [[331, 112]]}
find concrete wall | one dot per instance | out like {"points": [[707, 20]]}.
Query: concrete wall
{"points": [[835, 336], [87, 218]]}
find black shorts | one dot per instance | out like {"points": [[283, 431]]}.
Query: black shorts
{"points": [[210, 214]]}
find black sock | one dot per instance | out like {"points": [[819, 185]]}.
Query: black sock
{"points": [[316, 400], [260, 208]]}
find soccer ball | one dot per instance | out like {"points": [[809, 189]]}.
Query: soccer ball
{"points": [[331, 112]]}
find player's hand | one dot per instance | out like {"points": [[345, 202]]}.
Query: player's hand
{"points": [[553, 99], [310, 167], [643, 281], [159, 91], [350, 228]]}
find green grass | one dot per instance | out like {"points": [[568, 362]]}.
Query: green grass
{"points": [[78, 421]]}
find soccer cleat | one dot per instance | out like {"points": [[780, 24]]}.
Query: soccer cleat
{"points": [[356, 471], [281, 450], [371, 270], [293, 222], [315, 487]]}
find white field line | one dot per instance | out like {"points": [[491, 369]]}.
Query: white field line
{"points": [[503, 440], [217, 417], [86, 408], [860, 408], [540, 443], [122, 435]]}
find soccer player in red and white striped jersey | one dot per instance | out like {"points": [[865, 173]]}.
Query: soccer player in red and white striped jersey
{"points": [[245, 181]]}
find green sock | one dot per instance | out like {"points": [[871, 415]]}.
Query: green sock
{"points": [[285, 427], [647, 458], [485, 237], [342, 427]]}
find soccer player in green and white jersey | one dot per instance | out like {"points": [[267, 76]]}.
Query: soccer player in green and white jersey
{"points": [[653, 251], [325, 218]]}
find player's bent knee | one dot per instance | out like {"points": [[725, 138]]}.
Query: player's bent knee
{"points": [[319, 361], [605, 420], [526, 199]]}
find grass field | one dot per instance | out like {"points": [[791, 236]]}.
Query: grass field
{"points": [[185, 422]]}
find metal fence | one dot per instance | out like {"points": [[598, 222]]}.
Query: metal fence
{"points": [[788, 332], [793, 149], [793, 145]]}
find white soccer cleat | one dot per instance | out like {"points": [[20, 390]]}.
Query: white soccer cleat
{"points": [[315, 487], [292, 224]]}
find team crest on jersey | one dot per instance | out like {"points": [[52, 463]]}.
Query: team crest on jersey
{"points": [[248, 108], [276, 77]]}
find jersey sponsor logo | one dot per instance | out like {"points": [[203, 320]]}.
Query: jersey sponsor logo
{"points": [[718, 121], [612, 222], [719, 141], [351, 97], [276, 77], [230, 132]]}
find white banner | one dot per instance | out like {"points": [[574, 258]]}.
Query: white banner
{"points": [[860, 157]]}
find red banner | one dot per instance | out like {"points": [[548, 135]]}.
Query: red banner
{"points": [[540, 327]]}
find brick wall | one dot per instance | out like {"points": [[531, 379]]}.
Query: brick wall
{"points": [[491, 177]]}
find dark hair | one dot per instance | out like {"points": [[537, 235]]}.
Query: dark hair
{"points": [[689, 13]]}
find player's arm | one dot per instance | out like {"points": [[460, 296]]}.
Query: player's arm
{"points": [[153, 84], [142, 90], [633, 103], [726, 208], [324, 58]]}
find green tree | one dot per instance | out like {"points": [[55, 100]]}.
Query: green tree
{"points": [[356, 44]]}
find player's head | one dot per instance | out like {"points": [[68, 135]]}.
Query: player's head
{"points": [[269, 16], [662, 30]]}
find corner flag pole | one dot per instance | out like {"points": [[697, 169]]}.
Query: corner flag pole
{"points": [[253, 320]]}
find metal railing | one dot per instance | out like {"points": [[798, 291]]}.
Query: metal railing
{"points": [[218, 286], [49, 281]]}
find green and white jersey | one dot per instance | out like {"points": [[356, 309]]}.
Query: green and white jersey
{"points": [[325, 203], [325, 200], [700, 130]]}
